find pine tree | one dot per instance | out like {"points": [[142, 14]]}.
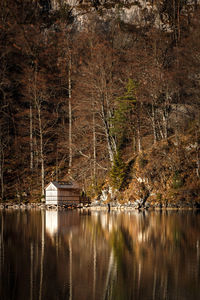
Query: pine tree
{"points": [[118, 171], [122, 121]]}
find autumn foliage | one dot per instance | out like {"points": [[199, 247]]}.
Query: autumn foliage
{"points": [[75, 95]]}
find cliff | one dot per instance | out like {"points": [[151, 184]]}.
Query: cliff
{"points": [[140, 13]]}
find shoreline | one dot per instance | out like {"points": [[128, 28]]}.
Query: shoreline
{"points": [[92, 207]]}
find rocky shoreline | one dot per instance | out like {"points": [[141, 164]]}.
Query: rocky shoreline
{"points": [[27, 206], [95, 206]]}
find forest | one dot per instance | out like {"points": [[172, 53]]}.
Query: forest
{"points": [[106, 93]]}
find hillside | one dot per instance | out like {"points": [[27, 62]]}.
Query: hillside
{"points": [[98, 91], [166, 175]]}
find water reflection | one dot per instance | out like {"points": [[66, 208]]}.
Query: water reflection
{"points": [[51, 222], [71, 255]]}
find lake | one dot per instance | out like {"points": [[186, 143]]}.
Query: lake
{"points": [[84, 255]]}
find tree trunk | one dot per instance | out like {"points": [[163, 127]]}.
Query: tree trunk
{"points": [[139, 140], [94, 150], [134, 144], [1, 165], [165, 114], [36, 152], [70, 114], [176, 126], [198, 162], [31, 138], [36, 103], [154, 123], [178, 21], [198, 151], [139, 131], [1, 173], [38, 106], [165, 124], [41, 149], [107, 133], [160, 128], [57, 168]]}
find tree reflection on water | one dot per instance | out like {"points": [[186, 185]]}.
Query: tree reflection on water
{"points": [[96, 255]]}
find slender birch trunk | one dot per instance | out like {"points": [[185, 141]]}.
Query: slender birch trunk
{"points": [[108, 136], [165, 114], [94, 149], [41, 149], [165, 125], [57, 164], [38, 105], [139, 134], [31, 138], [139, 140], [154, 123], [70, 113], [36, 153], [160, 128]]}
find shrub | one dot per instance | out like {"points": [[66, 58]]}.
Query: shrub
{"points": [[177, 180], [159, 196], [142, 162]]}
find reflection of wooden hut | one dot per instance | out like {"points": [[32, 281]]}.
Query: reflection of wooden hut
{"points": [[62, 192]]}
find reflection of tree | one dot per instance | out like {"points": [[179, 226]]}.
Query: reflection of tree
{"points": [[142, 244], [70, 267], [105, 256], [42, 256], [110, 278]]}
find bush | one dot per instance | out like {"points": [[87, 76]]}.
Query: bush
{"points": [[142, 162], [177, 180], [159, 196]]}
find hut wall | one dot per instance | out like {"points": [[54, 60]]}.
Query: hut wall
{"points": [[68, 196], [51, 195]]}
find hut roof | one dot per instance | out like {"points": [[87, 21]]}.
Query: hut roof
{"points": [[64, 185]]}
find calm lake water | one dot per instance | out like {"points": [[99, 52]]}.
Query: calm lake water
{"points": [[99, 255]]}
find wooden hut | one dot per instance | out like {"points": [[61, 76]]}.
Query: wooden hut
{"points": [[62, 192]]}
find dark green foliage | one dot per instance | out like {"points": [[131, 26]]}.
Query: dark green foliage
{"points": [[177, 180], [118, 172], [159, 196], [122, 120], [95, 187]]}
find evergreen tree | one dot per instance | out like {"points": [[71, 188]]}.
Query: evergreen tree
{"points": [[118, 171], [122, 121]]}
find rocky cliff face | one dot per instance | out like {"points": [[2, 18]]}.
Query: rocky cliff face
{"points": [[140, 13]]}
